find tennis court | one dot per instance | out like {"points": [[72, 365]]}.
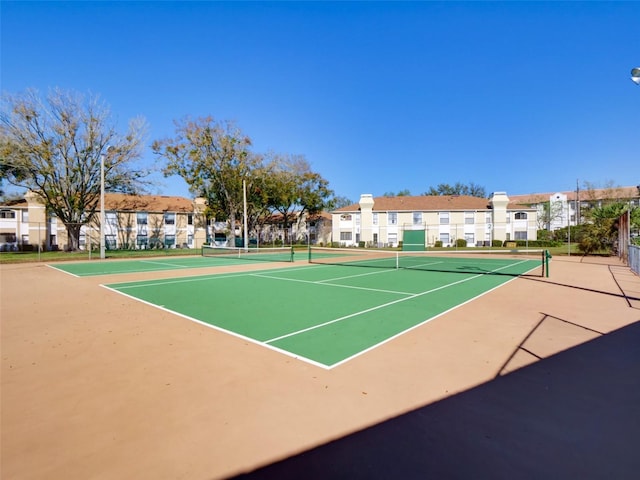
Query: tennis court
{"points": [[327, 314], [98, 384], [210, 257]]}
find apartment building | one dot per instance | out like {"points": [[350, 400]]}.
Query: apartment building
{"points": [[145, 222], [567, 208], [383, 221], [131, 222]]}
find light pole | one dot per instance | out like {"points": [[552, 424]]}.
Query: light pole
{"points": [[102, 240], [635, 75]]}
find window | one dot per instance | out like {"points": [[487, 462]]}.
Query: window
{"points": [[444, 238], [470, 238], [444, 218], [25, 216], [417, 218], [190, 219], [8, 237], [7, 214], [110, 242], [345, 217], [111, 219], [469, 218], [142, 218], [345, 236], [169, 218], [142, 241], [169, 240], [520, 235], [374, 218], [392, 218], [521, 216]]}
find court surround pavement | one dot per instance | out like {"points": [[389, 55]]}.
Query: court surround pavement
{"points": [[538, 379]]}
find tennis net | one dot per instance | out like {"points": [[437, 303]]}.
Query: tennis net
{"points": [[265, 254], [493, 262]]}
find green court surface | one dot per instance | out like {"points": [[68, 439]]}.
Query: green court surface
{"points": [[113, 267], [322, 314]]}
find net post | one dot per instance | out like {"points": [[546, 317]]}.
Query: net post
{"points": [[546, 256]]}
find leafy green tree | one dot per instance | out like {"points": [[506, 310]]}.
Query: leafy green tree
{"points": [[339, 202], [601, 232], [214, 159], [402, 193], [295, 190], [458, 189], [53, 147]]}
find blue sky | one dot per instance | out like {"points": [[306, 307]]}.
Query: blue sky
{"points": [[521, 97]]}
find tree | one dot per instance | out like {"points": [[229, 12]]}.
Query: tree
{"points": [[458, 189], [53, 147], [213, 157], [550, 212], [601, 231], [401, 193], [339, 202], [294, 189]]}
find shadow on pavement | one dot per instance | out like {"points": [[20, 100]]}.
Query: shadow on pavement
{"points": [[575, 415]]}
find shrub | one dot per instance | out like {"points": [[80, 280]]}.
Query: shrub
{"points": [[538, 243], [438, 244], [461, 242], [496, 243]]}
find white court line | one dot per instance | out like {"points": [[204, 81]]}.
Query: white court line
{"points": [[355, 276], [166, 264], [220, 329], [331, 285], [418, 325], [115, 288], [384, 305], [198, 278], [64, 271]]}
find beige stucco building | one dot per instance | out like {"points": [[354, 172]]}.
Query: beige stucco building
{"points": [[382, 221], [143, 222], [131, 222], [567, 208]]}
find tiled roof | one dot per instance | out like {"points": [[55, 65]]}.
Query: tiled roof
{"points": [[424, 203], [586, 195], [17, 203], [147, 203]]}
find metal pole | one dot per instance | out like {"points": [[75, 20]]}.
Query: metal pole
{"points": [[102, 246], [244, 198], [569, 227]]}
